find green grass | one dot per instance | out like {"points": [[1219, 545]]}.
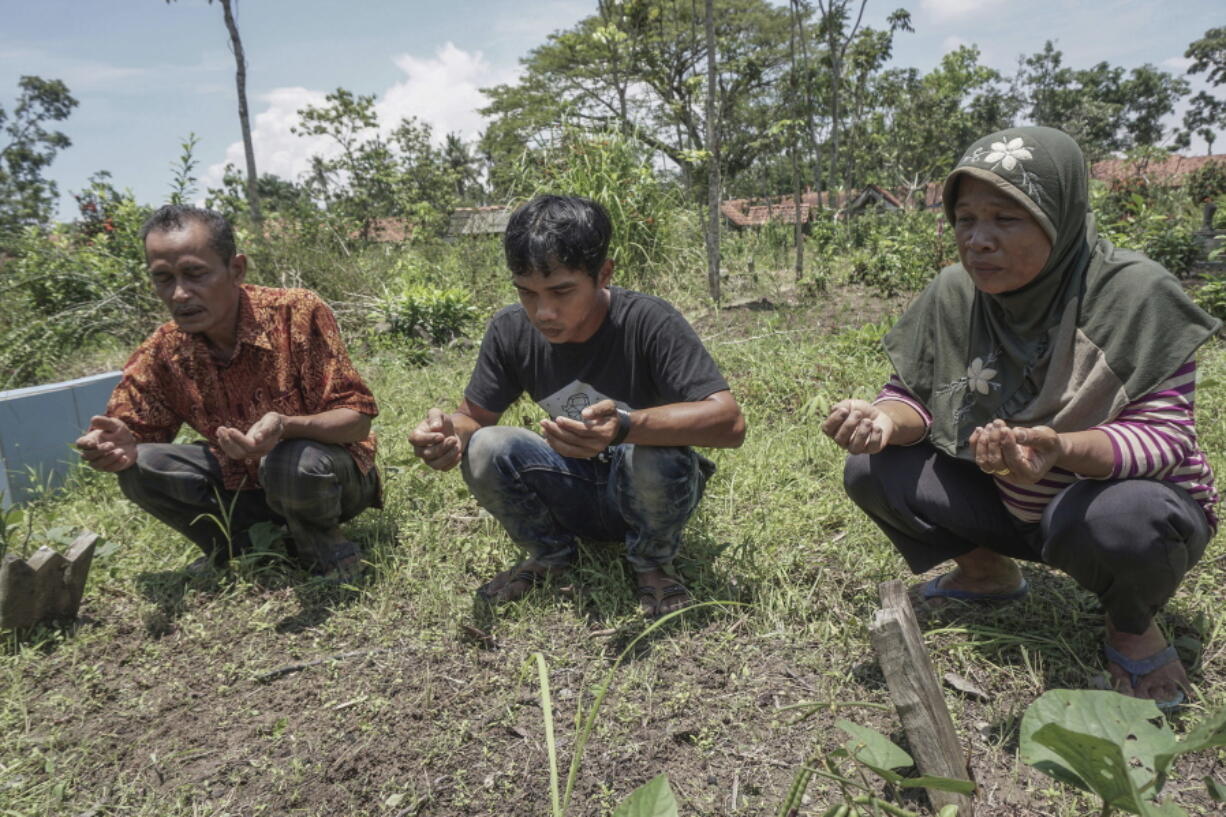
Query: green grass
{"points": [[152, 705]]}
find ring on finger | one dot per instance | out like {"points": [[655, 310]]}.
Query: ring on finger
{"points": [[1002, 472]]}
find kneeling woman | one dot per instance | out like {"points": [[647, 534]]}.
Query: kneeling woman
{"points": [[1041, 409]]}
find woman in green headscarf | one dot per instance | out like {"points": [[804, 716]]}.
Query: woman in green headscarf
{"points": [[1041, 409]]}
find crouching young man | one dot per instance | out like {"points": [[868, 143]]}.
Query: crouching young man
{"points": [[628, 388], [262, 374]]}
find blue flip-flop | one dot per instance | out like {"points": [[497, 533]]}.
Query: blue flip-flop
{"points": [[932, 590], [1138, 667]]}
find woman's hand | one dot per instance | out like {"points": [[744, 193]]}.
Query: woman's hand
{"points": [[1024, 455], [859, 427]]}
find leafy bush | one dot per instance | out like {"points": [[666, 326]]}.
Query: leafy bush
{"points": [[1163, 231], [1211, 296], [615, 171], [420, 318], [899, 252], [434, 315], [76, 286], [1113, 746]]}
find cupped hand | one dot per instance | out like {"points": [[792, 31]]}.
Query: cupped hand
{"points": [[107, 445], [435, 441], [1024, 455], [859, 427], [583, 439], [258, 440]]}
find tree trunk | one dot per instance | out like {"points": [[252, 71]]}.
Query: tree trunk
{"points": [[798, 234], [713, 167], [240, 79]]}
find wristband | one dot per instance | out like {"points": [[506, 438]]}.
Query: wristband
{"points": [[623, 427]]}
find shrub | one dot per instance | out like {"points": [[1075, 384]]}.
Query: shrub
{"points": [[1211, 296], [434, 315], [899, 252], [72, 288], [615, 171], [1160, 227]]}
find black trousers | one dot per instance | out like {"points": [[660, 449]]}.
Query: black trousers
{"points": [[1128, 541], [309, 487]]}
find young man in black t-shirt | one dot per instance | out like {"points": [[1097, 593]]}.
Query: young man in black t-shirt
{"points": [[628, 387]]}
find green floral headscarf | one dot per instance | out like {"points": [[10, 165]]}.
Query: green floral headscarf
{"points": [[1097, 328]]}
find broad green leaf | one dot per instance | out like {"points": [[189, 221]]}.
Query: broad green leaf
{"points": [[652, 799], [1217, 792], [1209, 732], [107, 548], [875, 750], [1096, 762], [938, 783], [948, 811], [1126, 723]]}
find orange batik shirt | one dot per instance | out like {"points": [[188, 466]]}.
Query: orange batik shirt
{"points": [[290, 358]]}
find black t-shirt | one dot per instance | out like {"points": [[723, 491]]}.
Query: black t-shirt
{"points": [[644, 354]]}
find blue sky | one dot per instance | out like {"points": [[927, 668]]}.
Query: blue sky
{"points": [[147, 73]]}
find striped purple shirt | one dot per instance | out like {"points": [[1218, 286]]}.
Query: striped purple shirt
{"points": [[1153, 437]]}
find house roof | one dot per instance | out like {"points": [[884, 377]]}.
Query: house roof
{"points": [[782, 209], [1166, 171], [479, 220]]}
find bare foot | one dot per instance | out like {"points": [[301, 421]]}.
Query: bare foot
{"points": [[983, 571], [1163, 684], [661, 594], [513, 584]]}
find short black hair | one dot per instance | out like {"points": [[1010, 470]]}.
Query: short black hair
{"points": [[558, 231], [171, 217]]}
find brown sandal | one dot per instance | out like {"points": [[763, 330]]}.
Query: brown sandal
{"points": [[655, 602], [521, 574]]}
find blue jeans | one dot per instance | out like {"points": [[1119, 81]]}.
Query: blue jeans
{"points": [[643, 495]]}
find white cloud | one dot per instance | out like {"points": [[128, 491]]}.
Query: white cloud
{"points": [[952, 43], [277, 150], [1179, 65], [442, 90], [943, 10]]}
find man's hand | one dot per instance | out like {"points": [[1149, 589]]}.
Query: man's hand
{"points": [[1024, 455], [258, 441], [435, 441], [583, 439], [108, 445], [859, 427]]}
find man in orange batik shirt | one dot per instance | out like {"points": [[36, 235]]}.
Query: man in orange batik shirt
{"points": [[262, 374]]}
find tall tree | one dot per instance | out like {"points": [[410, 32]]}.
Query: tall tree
{"points": [[839, 30], [713, 162], [1208, 54], [244, 121], [922, 122], [637, 67], [1207, 112], [26, 196], [372, 173], [1105, 108], [463, 165]]}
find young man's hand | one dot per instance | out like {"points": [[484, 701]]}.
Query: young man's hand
{"points": [[583, 439], [435, 441], [108, 445], [257, 442]]}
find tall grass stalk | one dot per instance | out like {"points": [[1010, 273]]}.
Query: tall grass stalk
{"points": [[560, 806]]}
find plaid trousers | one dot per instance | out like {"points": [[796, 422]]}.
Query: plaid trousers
{"points": [[310, 487]]}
